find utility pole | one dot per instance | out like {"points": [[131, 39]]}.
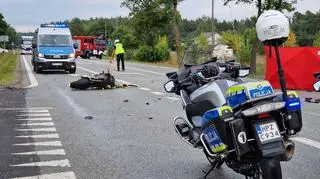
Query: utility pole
{"points": [[105, 28], [213, 27]]}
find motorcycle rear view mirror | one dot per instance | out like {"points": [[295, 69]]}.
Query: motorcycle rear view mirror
{"points": [[316, 86], [244, 72], [169, 86]]}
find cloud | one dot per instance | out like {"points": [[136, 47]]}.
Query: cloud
{"points": [[26, 14]]}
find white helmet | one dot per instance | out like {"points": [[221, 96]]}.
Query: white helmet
{"points": [[272, 27], [116, 41]]}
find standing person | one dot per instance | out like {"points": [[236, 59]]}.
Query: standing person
{"points": [[119, 52]]}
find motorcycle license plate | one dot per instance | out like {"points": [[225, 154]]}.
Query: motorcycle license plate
{"points": [[56, 64], [211, 135], [267, 131]]}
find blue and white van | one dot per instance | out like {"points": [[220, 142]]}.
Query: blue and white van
{"points": [[53, 48]]}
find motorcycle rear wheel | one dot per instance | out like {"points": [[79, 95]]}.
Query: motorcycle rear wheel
{"points": [[269, 168], [81, 84]]}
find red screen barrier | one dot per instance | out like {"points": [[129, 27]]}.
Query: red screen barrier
{"points": [[299, 64]]}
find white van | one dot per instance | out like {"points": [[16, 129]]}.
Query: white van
{"points": [[53, 48]]}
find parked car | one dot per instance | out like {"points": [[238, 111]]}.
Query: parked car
{"points": [[3, 50]]}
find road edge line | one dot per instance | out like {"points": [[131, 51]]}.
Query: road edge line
{"points": [[32, 78]]}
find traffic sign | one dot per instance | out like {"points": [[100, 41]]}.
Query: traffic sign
{"points": [[4, 38]]}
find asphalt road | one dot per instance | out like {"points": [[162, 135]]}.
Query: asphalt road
{"points": [[130, 134]]}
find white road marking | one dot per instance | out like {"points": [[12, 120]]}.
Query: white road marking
{"points": [[50, 129], [51, 143], [75, 75], [306, 141], [38, 124], [64, 175], [145, 89], [16, 109], [34, 115], [32, 78], [77, 109], [44, 136], [52, 163], [45, 152], [147, 71], [34, 111], [35, 119], [157, 93], [173, 98], [125, 73]]}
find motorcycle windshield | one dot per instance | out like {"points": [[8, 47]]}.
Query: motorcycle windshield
{"points": [[197, 54]]}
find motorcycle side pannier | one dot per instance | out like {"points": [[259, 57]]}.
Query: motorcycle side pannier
{"points": [[215, 126], [293, 109]]}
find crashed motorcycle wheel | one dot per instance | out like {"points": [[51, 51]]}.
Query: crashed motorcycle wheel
{"points": [[81, 84]]}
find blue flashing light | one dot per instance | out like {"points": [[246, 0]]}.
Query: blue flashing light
{"points": [[57, 25], [293, 104]]}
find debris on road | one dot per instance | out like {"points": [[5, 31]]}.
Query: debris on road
{"points": [[99, 81], [312, 100], [150, 118], [126, 100], [88, 117], [147, 103]]}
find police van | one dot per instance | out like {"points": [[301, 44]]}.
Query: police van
{"points": [[53, 48]]}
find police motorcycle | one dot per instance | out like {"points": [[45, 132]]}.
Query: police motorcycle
{"points": [[316, 85], [244, 124]]}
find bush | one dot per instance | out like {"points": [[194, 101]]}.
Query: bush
{"points": [[154, 54], [144, 53], [129, 55]]}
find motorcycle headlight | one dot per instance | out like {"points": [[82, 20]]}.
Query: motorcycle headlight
{"points": [[263, 109], [40, 55], [72, 55]]}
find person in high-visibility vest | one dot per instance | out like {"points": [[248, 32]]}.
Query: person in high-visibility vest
{"points": [[119, 52]]}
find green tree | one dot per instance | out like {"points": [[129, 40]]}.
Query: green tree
{"points": [[3, 25], [316, 42], [261, 6], [305, 27]]}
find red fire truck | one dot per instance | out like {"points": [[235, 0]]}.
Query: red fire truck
{"points": [[90, 46]]}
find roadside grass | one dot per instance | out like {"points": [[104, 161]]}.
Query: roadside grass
{"points": [[8, 65]]}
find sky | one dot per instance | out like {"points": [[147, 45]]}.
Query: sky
{"points": [[27, 15]]}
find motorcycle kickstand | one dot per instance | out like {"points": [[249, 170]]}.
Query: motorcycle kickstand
{"points": [[211, 170]]}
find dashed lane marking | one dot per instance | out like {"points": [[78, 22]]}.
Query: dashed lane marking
{"points": [[51, 143], [173, 98], [38, 124], [63, 175], [52, 163], [45, 152], [40, 136], [50, 129], [145, 89], [35, 119], [157, 93], [34, 115]]}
